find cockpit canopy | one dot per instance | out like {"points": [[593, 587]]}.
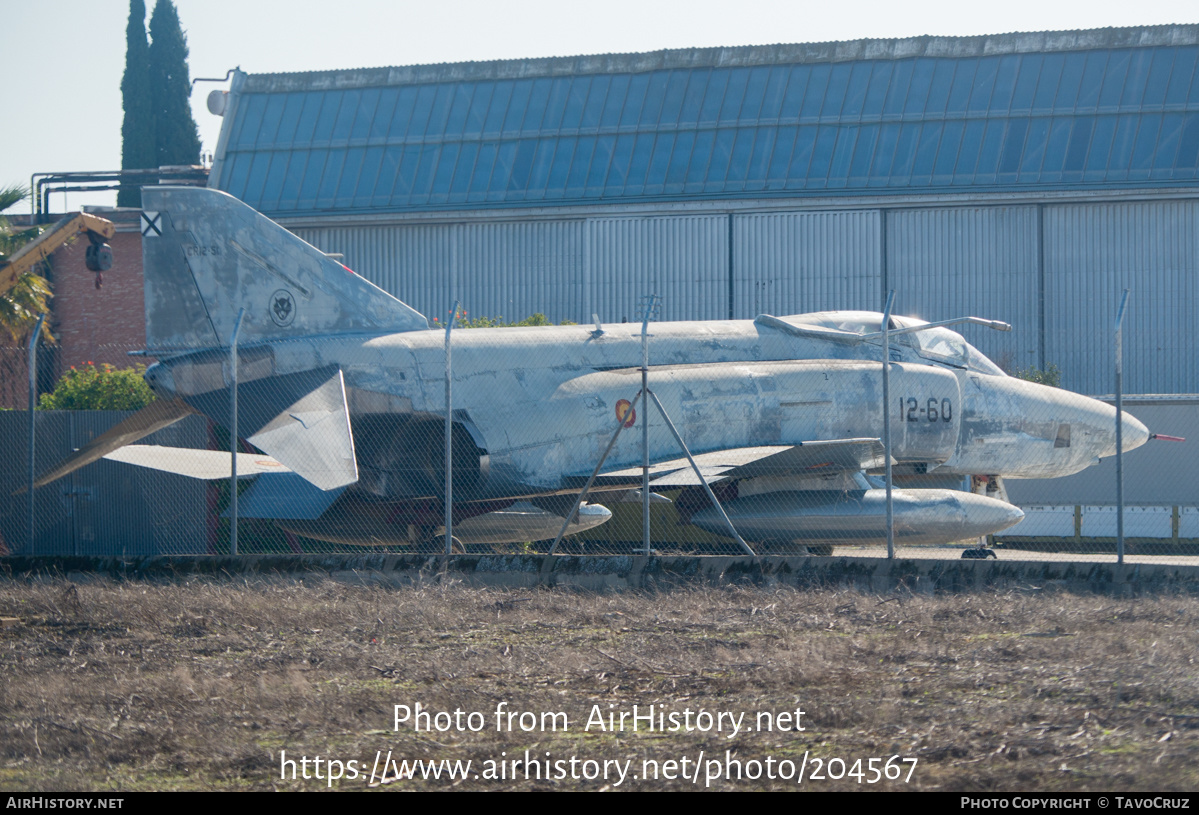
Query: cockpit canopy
{"points": [[937, 344]]}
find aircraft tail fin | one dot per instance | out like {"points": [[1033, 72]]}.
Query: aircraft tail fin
{"points": [[207, 255]]}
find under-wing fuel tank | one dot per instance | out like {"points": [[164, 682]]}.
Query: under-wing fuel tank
{"points": [[826, 517]]}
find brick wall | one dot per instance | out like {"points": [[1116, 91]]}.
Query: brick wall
{"points": [[91, 325], [99, 325]]}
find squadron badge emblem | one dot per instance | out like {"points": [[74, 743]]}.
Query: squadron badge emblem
{"points": [[283, 308]]}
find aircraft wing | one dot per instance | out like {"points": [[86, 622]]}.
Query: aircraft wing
{"points": [[155, 416], [277, 493], [806, 458], [204, 464]]}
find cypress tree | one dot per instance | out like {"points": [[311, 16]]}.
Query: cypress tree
{"points": [[177, 139], [137, 130]]}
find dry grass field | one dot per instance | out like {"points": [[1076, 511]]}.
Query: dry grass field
{"points": [[214, 684]]}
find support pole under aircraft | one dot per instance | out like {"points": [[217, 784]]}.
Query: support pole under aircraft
{"points": [[233, 433], [707, 488], [1120, 428], [652, 304], [620, 425]]}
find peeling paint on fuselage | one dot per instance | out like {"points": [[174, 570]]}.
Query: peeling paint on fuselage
{"points": [[542, 400]]}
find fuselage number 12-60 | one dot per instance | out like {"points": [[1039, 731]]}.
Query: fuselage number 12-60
{"points": [[912, 409]]}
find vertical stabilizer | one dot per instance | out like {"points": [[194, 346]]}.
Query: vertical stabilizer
{"points": [[206, 255]]}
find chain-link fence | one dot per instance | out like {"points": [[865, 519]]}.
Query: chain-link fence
{"points": [[763, 436]]}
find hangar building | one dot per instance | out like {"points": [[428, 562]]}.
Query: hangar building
{"points": [[1025, 177]]}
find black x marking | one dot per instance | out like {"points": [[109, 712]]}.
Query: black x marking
{"points": [[151, 224]]}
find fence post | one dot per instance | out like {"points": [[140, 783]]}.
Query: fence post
{"points": [[449, 433], [233, 434], [887, 421], [1120, 428], [33, 340]]}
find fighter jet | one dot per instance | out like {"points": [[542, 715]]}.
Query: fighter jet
{"points": [[342, 388]]}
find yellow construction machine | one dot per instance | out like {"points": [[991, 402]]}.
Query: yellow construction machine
{"points": [[98, 257]]}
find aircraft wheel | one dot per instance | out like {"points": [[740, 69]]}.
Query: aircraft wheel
{"points": [[822, 550], [978, 554]]}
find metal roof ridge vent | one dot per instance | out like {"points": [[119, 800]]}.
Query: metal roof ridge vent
{"points": [[729, 56]]}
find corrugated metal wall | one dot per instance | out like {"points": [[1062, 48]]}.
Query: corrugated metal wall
{"points": [[504, 269], [517, 269], [796, 262], [1093, 252], [685, 260], [980, 261], [413, 263], [943, 262], [106, 508]]}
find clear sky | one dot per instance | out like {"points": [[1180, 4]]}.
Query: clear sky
{"points": [[63, 59]]}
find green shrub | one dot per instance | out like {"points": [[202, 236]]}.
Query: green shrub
{"points": [[498, 322], [1050, 376], [103, 387]]}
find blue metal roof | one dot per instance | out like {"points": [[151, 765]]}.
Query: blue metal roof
{"points": [[1093, 117]]}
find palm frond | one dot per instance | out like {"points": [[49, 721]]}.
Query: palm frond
{"points": [[11, 195], [23, 303], [13, 239]]}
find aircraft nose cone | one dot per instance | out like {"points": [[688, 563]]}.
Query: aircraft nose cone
{"points": [[1135, 434]]}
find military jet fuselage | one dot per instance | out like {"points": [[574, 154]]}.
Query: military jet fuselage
{"points": [[344, 386], [540, 402]]}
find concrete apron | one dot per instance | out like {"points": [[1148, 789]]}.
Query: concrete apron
{"points": [[620, 572]]}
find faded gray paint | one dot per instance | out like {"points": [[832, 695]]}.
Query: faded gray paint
{"points": [[203, 262], [1165, 474], [539, 404]]}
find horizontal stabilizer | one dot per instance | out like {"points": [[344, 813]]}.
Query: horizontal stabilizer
{"points": [[204, 464], [302, 420], [150, 419], [807, 458]]}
